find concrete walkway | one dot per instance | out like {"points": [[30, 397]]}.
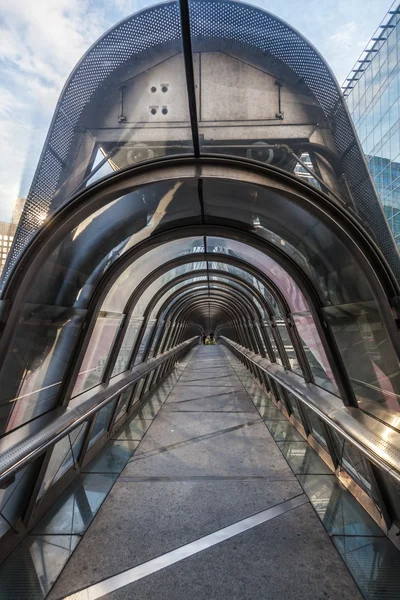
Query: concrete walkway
{"points": [[206, 463]]}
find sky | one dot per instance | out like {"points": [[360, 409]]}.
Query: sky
{"points": [[42, 40]]}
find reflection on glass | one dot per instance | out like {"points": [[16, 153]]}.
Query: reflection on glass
{"points": [[77, 506], [145, 341], [263, 263], [378, 577], [268, 329], [315, 352], [35, 363], [353, 462], [303, 459], [128, 343], [103, 420], [43, 558], [294, 406], [113, 458], [63, 456], [315, 425], [288, 345], [283, 431], [123, 403], [368, 354], [128, 281], [100, 345], [339, 511], [14, 498]]}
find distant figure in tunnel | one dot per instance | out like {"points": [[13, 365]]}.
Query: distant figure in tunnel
{"points": [[211, 336], [204, 339]]}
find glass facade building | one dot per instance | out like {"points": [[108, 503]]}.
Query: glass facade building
{"points": [[373, 95]]}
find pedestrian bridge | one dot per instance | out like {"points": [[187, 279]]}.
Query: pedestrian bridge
{"points": [[201, 175]]}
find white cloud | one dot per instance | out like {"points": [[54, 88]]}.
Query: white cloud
{"points": [[345, 34], [41, 43]]}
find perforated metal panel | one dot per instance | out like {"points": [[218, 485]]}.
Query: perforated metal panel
{"points": [[134, 36], [217, 21]]}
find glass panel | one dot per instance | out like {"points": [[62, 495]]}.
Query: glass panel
{"points": [[156, 338], [339, 511], [145, 341], [43, 558], [315, 425], [123, 403], [263, 263], [127, 346], [367, 353], [100, 345], [129, 280], [113, 457], [294, 404], [315, 352], [268, 330], [63, 456], [353, 462], [34, 366], [303, 459], [289, 349], [14, 499], [103, 421], [75, 509]]}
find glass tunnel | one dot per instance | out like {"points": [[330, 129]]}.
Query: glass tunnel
{"points": [[201, 174]]}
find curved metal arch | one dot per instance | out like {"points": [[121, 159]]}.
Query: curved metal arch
{"points": [[235, 293], [73, 370], [107, 280], [192, 305], [237, 317], [221, 296], [335, 216], [232, 317], [212, 273], [167, 304], [262, 300], [235, 299], [154, 300], [105, 191], [70, 377], [169, 336]]}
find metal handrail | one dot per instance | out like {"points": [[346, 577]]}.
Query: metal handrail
{"points": [[379, 443], [22, 446]]}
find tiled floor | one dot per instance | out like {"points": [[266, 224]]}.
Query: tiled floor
{"points": [[207, 462], [371, 558], [30, 572], [217, 452]]}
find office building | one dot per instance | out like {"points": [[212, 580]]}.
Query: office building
{"points": [[372, 91]]}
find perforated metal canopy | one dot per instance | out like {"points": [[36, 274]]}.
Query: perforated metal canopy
{"points": [[220, 25]]}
